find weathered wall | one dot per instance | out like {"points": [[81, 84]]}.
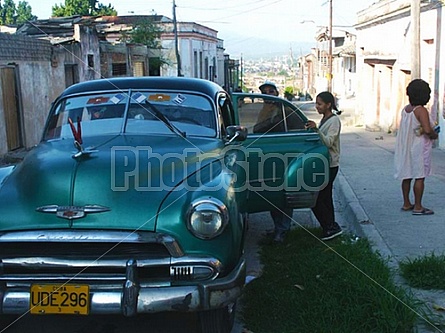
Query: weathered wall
{"points": [[384, 42], [40, 75], [38, 84], [88, 41]]}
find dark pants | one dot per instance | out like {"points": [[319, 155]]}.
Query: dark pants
{"points": [[324, 208], [281, 219]]}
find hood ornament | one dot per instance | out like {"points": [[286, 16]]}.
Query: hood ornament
{"points": [[77, 134], [72, 212]]}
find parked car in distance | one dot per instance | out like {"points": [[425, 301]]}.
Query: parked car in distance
{"points": [[136, 198]]}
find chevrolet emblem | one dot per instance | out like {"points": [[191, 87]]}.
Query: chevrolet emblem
{"points": [[72, 212]]}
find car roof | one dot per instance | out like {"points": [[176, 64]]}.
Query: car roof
{"points": [[146, 82]]}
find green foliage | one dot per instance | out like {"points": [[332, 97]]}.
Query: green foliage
{"points": [[147, 33], [427, 272], [283, 72], [7, 12], [10, 14], [337, 287], [24, 13], [289, 93], [83, 8], [103, 10], [72, 7]]}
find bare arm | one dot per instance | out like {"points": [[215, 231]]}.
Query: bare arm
{"points": [[424, 119]]}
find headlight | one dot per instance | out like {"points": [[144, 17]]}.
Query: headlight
{"points": [[207, 218]]}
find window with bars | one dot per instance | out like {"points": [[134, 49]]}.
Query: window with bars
{"points": [[119, 69]]}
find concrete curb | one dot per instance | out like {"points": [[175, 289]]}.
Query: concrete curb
{"points": [[358, 220]]}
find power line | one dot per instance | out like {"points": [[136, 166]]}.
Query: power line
{"points": [[224, 7], [250, 10]]}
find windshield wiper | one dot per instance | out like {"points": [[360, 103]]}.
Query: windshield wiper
{"points": [[158, 114]]}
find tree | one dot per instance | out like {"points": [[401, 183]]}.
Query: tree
{"points": [[24, 13], [147, 33], [82, 7], [7, 12], [289, 93], [103, 10]]}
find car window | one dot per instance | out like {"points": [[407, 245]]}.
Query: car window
{"points": [[104, 113], [98, 113], [264, 115], [191, 114]]}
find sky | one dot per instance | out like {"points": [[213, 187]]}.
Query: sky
{"points": [[246, 26]]}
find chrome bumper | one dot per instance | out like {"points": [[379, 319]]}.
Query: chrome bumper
{"points": [[132, 298]]}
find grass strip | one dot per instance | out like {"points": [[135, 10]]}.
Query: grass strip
{"points": [[427, 272], [308, 286]]}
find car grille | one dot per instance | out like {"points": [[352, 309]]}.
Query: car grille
{"points": [[101, 257], [85, 249]]}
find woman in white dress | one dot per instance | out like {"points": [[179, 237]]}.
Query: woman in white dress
{"points": [[413, 146]]}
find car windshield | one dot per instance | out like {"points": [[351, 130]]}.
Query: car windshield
{"points": [[137, 112]]}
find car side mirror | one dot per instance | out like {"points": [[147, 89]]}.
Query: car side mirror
{"points": [[236, 133]]}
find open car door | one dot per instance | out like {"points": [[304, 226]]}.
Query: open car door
{"points": [[285, 163]]}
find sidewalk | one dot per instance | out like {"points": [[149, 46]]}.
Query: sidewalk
{"points": [[370, 199]]}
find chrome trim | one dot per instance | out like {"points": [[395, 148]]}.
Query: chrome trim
{"points": [[150, 298], [104, 236], [52, 263], [49, 262], [301, 199], [218, 205], [131, 290]]}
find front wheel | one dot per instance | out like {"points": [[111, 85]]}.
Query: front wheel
{"points": [[218, 320]]}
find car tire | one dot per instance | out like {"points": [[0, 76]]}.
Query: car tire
{"points": [[217, 320]]}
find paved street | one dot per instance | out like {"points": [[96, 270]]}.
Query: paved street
{"points": [[160, 323]]}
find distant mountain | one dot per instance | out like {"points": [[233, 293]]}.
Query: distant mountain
{"points": [[254, 48]]}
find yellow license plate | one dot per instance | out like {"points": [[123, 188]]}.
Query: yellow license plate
{"points": [[59, 299]]}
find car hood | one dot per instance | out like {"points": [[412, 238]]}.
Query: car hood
{"points": [[118, 184]]}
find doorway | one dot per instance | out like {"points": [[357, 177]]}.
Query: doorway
{"points": [[11, 103]]}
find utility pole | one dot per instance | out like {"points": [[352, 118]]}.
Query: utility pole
{"points": [[415, 40], [330, 48], [175, 29], [242, 70]]}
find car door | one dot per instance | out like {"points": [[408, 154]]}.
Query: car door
{"points": [[285, 163]]}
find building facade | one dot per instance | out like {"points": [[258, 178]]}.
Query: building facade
{"points": [[384, 61], [314, 70], [33, 73]]}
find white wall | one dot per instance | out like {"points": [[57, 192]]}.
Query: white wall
{"points": [[381, 91], [192, 38]]}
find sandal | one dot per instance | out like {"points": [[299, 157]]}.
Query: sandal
{"points": [[424, 211], [406, 209]]}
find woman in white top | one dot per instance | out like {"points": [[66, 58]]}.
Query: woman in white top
{"points": [[414, 143], [329, 130]]}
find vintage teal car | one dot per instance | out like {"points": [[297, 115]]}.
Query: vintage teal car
{"points": [[135, 200]]}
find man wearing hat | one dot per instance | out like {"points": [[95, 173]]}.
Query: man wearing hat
{"points": [[269, 118], [266, 123]]}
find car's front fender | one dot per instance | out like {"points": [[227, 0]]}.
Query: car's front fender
{"points": [[173, 215]]}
